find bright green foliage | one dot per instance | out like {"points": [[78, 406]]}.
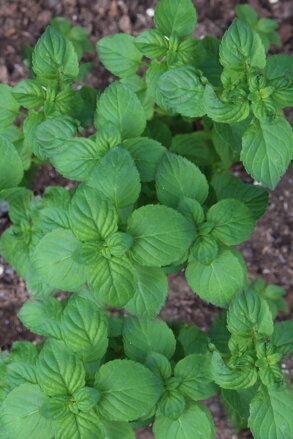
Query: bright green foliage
{"points": [[152, 195]]}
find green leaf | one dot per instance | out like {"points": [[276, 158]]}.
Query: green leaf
{"points": [[249, 314], [120, 106], [195, 422], [113, 280], [271, 414], [193, 340], [183, 91], [219, 333], [152, 43], [159, 365], [280, 65], [232, 221], [210, 65], [116, 178], [246, 14], [80, 426], [283, 337], [84, 329], [120, 430], [196, 147], [161, 235], [225, 111], [20, 414], [52, 134], [151, 292], [266, 25], [267, 150], [119, 54], [236, 404], [30, 126], [143, 336], [8, 106], [54, 260], [232, 378], [254, 197], [91, 217], [176, 177], [54, 57], [175, 16], [42, 317], [241, 48], [194, 372], [29, 93], [227, 140], [205, 249], [159, 131], [59, 370], [77, 159], [146, 154], [129, 390], [16, 248], [172, 404], [218, 282], [11, 167]]}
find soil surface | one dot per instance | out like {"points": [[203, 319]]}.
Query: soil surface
{"points": [[269, 251]]}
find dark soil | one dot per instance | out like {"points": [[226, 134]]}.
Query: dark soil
{"points": [[269, 251]]}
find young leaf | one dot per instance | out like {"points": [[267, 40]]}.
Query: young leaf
{"points": [[194, 372], [205, 249], [218, 282], [8, 106], [172, 404], [176, 177], [249, 314], [20, 414], [128, 390], [119, 54], [225, 111], [11, 167], [120, 106], [183, 91], [232, 378], [161, 235], [54, 260], [232, 221], [91, 217], [84, 329], [142, 336], [152, 43], [271, 414], [29, 93], [54, 57], [151, 292], [146, 154], [175, 16], [267, 150], [195, 422], [246, 14], [59, 370], [116, 178], [113, 280], [241, 48]]}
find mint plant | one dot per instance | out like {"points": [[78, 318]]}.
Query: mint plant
{"points": [[76, 379], [55, 64], [152, 194]]}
